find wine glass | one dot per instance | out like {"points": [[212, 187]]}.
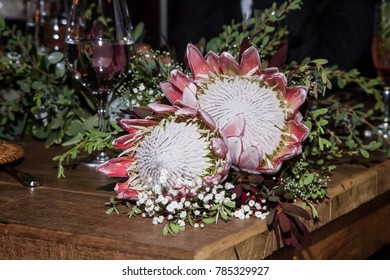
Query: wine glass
{"points": [[99, 48], [381, 58]]}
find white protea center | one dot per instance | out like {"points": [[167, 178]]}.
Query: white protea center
{"points": [[263, 107], [172, 154]]}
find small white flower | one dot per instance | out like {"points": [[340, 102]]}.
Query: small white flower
{"points": [[196, 225], [135, 90], [183, 214], [201, 196], [181, 223], [170, 208], [165, 201], [197, 212], [229, 186], [218, 198], [239, 214], [251, 203], [245, 208], [208, 197], [187, 204], [234, 196], [141, 87], [261, 215], [169, 217], [258, 214], [149, 202]]}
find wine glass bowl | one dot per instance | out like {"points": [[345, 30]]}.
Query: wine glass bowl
{"points": [[381, 58], [98, 49]]}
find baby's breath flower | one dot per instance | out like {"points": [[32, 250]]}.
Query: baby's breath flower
{"points": [[181, 223], [183, 214]]}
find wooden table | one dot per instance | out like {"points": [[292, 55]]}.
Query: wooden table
{"points": [[65, 219]]}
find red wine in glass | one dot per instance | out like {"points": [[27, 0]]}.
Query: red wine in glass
{"points": [[99, 67], [98, 49]]}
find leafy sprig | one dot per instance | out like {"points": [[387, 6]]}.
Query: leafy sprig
{"points": [[87, 142]]}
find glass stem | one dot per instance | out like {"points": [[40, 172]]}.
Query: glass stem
{"points": [[101, 98]]}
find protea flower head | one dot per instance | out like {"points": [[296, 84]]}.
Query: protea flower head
{"points": [[253, 108], [174, 157]]}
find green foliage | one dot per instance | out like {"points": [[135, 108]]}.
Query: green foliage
{"points": [[265, 30], [142, 86], [36, 97], [88, 141]]}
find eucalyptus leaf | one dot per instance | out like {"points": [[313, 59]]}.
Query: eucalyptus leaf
{"points": [[55, 57]]}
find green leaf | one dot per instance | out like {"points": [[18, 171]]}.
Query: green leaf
{"points": [[175, 228], [308, 179], [55, 57], [110, 210], [138, 30], [374, 145], [320, 61], [60, 70], [210, 220], [215, 207], [322, 122], [319, 112], [230, 204], [364, 153], [223, 214], [37, 85], [23, 86], [166, 230]]}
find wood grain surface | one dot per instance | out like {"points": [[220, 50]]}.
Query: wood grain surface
{"points": [[65, 219]]}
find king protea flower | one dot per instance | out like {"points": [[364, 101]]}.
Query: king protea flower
{"points": [[253, 108], [173, 157]]}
